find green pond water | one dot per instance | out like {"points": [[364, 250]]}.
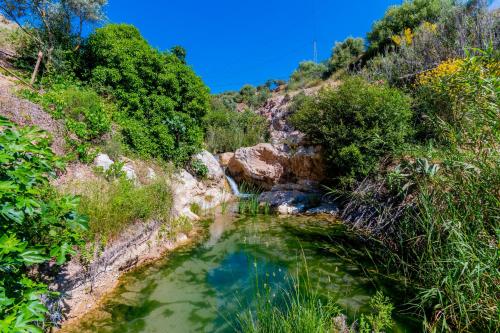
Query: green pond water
{"points": [[203, 287]]}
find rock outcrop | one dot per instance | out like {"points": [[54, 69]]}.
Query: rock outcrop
{"points": [[263, 165], [267, 165]]}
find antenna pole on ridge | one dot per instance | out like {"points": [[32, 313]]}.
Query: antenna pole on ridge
{"points": [[315, 52]]}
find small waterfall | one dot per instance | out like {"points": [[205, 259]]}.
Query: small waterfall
{"points": [[235, 189]]}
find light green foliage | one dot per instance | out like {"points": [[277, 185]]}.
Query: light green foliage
{"points": [[114, 205], [36, 226], [357, 124], [228, 130], [307, 74], [397, 18], [253, 97], [381, 318], [345, 52], [303, 310], [161, 100]]}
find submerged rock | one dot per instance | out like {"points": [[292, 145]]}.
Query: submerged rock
{"points": [[324, 208]]}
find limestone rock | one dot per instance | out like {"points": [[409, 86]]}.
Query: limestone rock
{"points": [[129, 171], [262, 164], [324, 208], [307, 163], [215, 172], [103, 161], [225, 158]]}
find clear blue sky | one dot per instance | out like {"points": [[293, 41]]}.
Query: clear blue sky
{"points": [[230, 43]]}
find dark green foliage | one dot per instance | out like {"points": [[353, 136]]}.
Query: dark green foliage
{"points": [[36, 225], [357, 124], [160, 98], [408, 15], [228, 130], [345, 52]]}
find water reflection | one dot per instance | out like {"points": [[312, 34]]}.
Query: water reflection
{"points": [[204, 288]]}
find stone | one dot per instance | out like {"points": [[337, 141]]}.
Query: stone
{"points": [[307, 163], [225, 158], [215, 172], [151, 175], [103, 161], [324, 208], [263, 165], [129, 171]]}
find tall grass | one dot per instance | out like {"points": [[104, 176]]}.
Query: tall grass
{"points": [[113, 206]]}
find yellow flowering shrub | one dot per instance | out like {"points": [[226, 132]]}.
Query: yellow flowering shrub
{"points": [[462, 96], [406, 38], [448, 67]]}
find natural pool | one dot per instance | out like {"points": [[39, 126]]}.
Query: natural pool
{"points": [[203, 287]]}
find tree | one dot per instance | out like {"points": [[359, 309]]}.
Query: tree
{"points": [[53, 24], [161, 100], [345, 52], [408, 15]]}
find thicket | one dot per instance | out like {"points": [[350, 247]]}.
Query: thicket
{"points": [[343, 53], [307, 74], [37, 225], [357, 124]]}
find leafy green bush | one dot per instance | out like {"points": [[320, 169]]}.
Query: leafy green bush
{"points": [[357, 124], [308, 74], [345, 52], [36, 225], [160, 98], [228, 130]]}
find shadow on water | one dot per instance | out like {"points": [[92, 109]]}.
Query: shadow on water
{"points": [[204, 287]]}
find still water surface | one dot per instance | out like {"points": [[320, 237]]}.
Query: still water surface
{"points": [[205, 286]]}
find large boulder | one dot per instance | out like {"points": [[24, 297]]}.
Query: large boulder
{"points": [[215, 172], [263, 165], [225, 158], [308, 163]]}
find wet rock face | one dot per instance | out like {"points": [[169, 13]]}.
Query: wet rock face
{"points": [[225, 158]]}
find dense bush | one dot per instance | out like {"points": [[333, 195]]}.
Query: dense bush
{"points": [[228, 130], [253, 97], [160, 98], [36, 225], [308, 73], [343, 53], [357, 124]]}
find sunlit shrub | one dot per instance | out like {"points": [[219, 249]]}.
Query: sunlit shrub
{"points": [[357, 124]]}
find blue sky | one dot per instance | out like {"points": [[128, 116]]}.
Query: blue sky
{"points": [[230, 43]]}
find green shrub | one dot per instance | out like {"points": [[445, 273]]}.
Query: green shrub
{"points": [[345, 52], [36, 225], [228, 130], [308, 74], [160, 98], [357, 124]]}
